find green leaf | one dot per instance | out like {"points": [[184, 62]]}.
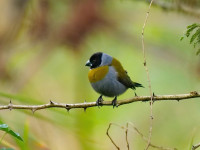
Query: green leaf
{"points": [[192, 25], [4, 127], [181, 38], [191, 143], [24, 145], [194, 36], [198, 52], [190, 28]]}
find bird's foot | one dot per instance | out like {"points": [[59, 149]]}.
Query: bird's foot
{"points": [[153, 95], [136, 94], [114, 102], [99, 101]]}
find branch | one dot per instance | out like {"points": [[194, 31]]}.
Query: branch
{"points": [[126, 132], [148, 78], [107, 132], [179, 7], [137, 131], [86, 105], [195, 146], [146, 140]]}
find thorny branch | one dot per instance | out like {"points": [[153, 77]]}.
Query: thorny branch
{"points": [[137, 131], [195, 146], [148, 78], [86, 105]]}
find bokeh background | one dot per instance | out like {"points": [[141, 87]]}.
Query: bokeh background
{"points": [[44, 45]]}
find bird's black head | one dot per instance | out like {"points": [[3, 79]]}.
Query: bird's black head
{"points": [[95, 60]]}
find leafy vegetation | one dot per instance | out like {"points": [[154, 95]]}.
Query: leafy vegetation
{"points": [[193, 31], [7, 130], [4, 127], [38, 65]]}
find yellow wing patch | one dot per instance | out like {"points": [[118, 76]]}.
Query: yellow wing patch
{"points": [[122, 74], [117, 65], [98, 73]]}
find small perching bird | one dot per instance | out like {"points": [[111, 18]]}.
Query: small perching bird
{"points": [[108, 77]]}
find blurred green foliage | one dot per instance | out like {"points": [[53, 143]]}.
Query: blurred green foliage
{"points": [[6, 129], [195, 37], [44, 45]]}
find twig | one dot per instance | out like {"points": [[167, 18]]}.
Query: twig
{"points": [[146, 140], [148, 78], [179, 7], [138, 132], [126, 132], [110, 136], [85, 105], [195, 146]]}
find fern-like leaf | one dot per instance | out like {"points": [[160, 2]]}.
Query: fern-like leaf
{"points": [[193, 30], [198, 52], [194, 36], [190, 28]]}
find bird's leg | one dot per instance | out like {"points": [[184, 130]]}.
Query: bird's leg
{"points": [[99, 101], [114, 102], [135, 94]]}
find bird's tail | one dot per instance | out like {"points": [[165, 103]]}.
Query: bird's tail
{"points": [[135, 84]]}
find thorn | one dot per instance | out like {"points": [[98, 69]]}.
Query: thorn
{"points": [[154, 94], [85, 109], [145, 63], [10, 105], [68, 109], [51, 102], [84, 101], [178, 100], [33, 110], [151, 117]]}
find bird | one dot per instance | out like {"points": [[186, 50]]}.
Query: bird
{"points": [[108, 77]]}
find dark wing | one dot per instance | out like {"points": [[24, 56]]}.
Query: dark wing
{"points": [[125, 80], [122, 75]]}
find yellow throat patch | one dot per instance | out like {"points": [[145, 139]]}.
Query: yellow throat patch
{"points": [[98, 73]]}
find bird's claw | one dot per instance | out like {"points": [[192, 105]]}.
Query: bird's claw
{"points": [[99, 101], [136, 94], [114, 102]]}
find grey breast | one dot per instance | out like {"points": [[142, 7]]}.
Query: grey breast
{"points": [[109, 85]]}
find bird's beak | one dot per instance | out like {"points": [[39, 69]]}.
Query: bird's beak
{"points": [[88, 63]]}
